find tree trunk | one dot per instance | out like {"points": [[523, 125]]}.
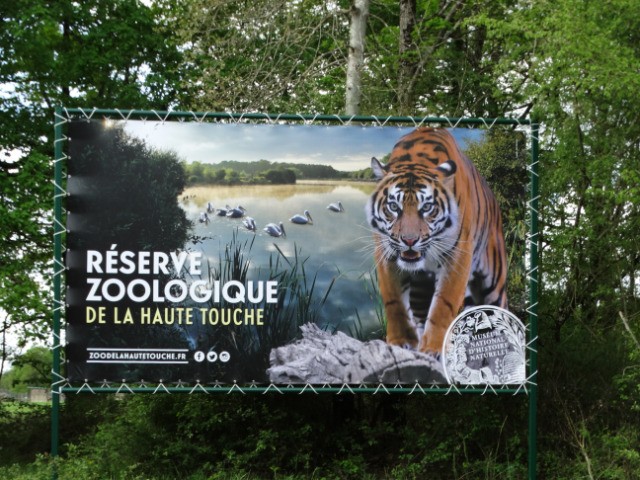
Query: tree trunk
{"points": [[407, 65], [359, 13]]}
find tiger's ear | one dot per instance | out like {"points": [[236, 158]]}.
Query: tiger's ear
{"points": [[448, 168], [379, 170]]}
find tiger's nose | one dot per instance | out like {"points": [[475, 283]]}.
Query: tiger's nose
{"points": [[409, 239]]}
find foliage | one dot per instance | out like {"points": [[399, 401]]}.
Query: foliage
{"points": [[261, 171], [103, 217], [168, 436], [448, 66], [265, 55], [501, 160], [25, 230], [24, 431], [628, 381], [292, 56], [93, 52], [31, 369], [280, 176], [577, 61], [298, 302], [150, 179], [589, 197], [574, 64]]}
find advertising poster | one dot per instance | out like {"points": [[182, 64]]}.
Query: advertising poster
{"points": [[294, 253]]}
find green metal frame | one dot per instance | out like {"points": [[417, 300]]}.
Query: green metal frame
{"points": [[534, 276], [59, 383]]}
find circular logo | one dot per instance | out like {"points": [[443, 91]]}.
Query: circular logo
{"points": [[225, 356], [212, 356], [485, 345], [199, 356]]}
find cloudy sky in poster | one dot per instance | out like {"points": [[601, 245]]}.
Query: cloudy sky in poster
{"points": [[345, 148]]}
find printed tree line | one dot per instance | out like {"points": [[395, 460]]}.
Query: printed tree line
{"points": [[264, 172]]}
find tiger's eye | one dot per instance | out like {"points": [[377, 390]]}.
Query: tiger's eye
{"points": [[394, 207], [426, 208]]}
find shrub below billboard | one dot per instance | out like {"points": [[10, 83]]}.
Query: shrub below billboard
{"points": [[218, 252]]}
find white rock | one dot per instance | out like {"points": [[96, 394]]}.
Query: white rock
{"points": [[320, 357]]}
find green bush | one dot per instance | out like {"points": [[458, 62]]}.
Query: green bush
{"points": [[24, 431]]}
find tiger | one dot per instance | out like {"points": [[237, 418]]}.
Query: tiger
{"points": [[438, 240]]}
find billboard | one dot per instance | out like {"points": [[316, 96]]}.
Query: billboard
{"points": [[293, 253]]}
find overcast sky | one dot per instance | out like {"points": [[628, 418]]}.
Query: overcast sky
{"points": [[343, 147]]}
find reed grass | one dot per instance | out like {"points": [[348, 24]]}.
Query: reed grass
{"points": [[299, 301]]}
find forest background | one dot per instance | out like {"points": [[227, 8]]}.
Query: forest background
{"points": [[573, 65]]}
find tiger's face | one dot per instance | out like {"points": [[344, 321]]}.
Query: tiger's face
{"points": [[415, 215]]}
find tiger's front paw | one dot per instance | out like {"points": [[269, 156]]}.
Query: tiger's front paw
{"points": [[431, 346], [407, 342]]}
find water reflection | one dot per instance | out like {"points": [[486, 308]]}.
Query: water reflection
{"points": [[337, 246]]}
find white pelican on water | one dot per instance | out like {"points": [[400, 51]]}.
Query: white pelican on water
{"points": [[237, 212], [275, 230], [222, 212], [249, 223], [302, 219], [336, 207]]}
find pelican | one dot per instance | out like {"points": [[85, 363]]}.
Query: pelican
{"points": [[222, 212], [336, 207], [210, 208], [204, 218], [249, 223], [275, 230], [237, 212], [302, 219]]}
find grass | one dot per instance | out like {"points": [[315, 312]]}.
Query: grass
{"points": [[298, 302]]}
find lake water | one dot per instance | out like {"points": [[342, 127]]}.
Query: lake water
{"points": [[337, 246]]}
